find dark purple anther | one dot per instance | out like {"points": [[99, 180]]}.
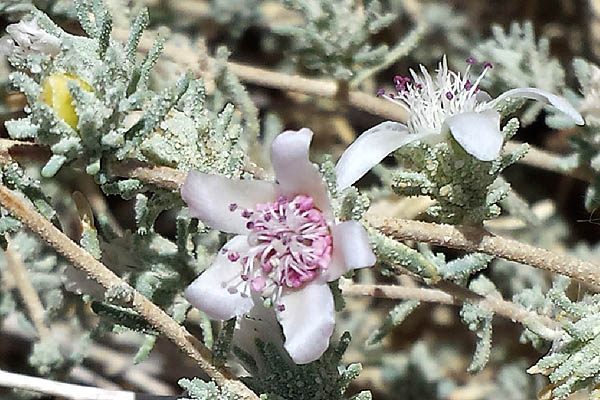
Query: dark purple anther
{"points": [[391, 95], [468, 85], [233, 256], [449, 96], [398, 80], [268, 217], [380, 92], [246, 213], [419, 86], [250, 225], [280, 307], [471, 60], [233, 207], [244, 277], [488, 64]]}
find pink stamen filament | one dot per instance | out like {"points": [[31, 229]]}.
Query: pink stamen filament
{"points": [[290, 244]]}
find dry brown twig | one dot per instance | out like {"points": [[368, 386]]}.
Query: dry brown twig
{"points": [[456, 295], [466, 238], [28, 293], [479, 240], [101, 274]]}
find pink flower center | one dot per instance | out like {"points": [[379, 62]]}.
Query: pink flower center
{"points": [[290, 244]]}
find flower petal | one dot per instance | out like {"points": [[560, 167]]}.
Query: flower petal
{"points": [[351, 250], [217, 290], [209, 198], [536, 94], [478, 133], [369, 149], [308, 321], [259, 323], [294, 171]]}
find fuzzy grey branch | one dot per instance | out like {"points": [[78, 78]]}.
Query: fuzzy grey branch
{"points": [[543, 159], [479, 240], [456, 295], [101, 274]]}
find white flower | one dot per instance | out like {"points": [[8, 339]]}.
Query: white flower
{"points": [[287, 247], [447, 102], [27, 37]]}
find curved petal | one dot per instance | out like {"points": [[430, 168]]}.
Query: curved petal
{"points": [[217, 291], [478, 133], [259, 323], [308, 321], [351, 247], [294, 171], [210, 196], [536, 94], [369, 149]]}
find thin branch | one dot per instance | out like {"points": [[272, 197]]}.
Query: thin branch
{"points": [[101, 274], [543, 159], [111, 363], [456, 295], [189, 58], [70, 391], [461, 237], [479, 240], [166, 177], [28, 293], [401, 49]]}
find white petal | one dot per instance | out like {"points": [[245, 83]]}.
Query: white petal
{"points": [[259, 323], [369, 149], [536, 94], [218, 290], [308, 321], [351, 250], [478, 133], [294, 171], [209, 198]]}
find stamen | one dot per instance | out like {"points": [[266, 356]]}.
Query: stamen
{"points": [[233, 207], [449, 95], [290, 245], [471, 60]]}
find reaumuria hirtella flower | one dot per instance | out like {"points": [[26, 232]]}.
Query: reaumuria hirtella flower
{"points": [[439, 105], [288, 246]]}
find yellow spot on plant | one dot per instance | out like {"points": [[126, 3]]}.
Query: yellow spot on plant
{"points": [[55, 93]]}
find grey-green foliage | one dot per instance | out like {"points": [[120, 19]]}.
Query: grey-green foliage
{"points": [[572, 364], [118, 116], [394, 318], [335, 37], [586, 143], [43, 269], [458, 270], [198, 389], [419, 374], [512, 382], [236, 15], [122, 119], [281, 379], [520, 61], [467, 190]]}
